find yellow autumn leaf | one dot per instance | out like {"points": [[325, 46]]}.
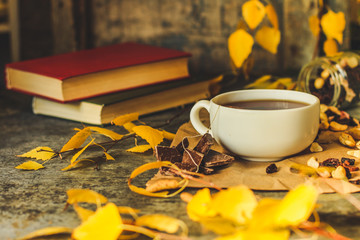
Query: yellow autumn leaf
{"points": [[77, 140], [121, 120], [129, 126], [219, 225], [314, 24], [151, 135], [84, 195], [83, 213], [146, 167], [272, 16], [162, 223], [29, 165], [198, 207], [268, 38], [108, 156], [330, 47], [240, 203], [256, 234], [261, 82], [106, 132], [280, 81], [39, 153], [264, 214], [48, 231], [240, 45], [296, 206], [128, 210], [168, 135], [333, 25], [76, 163], [253, 12], [139, 148], [76, 155], [105, 224]]}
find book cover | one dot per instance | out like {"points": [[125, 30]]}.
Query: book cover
{"points": [[87, 73]]}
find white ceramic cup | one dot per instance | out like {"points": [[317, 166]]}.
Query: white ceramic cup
{"points": [[260, 135]]}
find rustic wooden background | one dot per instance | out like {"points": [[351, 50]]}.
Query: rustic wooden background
{"points": [[201, 27]]}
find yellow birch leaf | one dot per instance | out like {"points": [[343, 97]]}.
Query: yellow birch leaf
{"points": [[151, 135], [139, 148], [29, 165], [280, 81], [240, 45], [83, 213], [253, 12], [47, 232], [108, 156], [198, 207], [330, 47], [127, 210], [264, 213], [77, 140], [240, 203], [106, 132], [146, 167], [296, 206], [219, 225], [314, 24], [333, 25], [73, 159], [256, 234], [261, 82], [168, 135], [105, 224], [121, 120], [74, 164], [272, 16], [39, 153], [129, 126], [162, 223], [268, 38], [84, 195]]}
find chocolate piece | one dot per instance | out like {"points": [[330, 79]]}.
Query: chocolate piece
{"points": [[182, 145], [191, 160], [330, 162], [171, 154], [207, 171], [272, 168], [215, 159], [204, 144]]}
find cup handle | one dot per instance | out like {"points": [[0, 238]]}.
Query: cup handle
{"points": [[195, 116]]}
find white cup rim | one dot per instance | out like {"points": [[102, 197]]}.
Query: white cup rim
{"points": [[279, 94]]}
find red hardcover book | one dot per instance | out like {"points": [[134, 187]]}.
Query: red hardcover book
{"points": [[94, 72]]}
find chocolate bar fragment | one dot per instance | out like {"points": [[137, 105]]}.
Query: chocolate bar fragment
{"points": [[204, 144], [191, 160], [182, 145], [171, 154], [215, 159]]}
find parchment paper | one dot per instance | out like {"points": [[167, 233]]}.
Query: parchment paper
{"points": [[253, 174]]}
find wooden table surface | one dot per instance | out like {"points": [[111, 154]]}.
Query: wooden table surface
{"points": [[30, 200]]}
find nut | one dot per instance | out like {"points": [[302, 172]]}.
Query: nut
{"points": [[352, 62], [347, 140], [334, 110], [324, 172], [319, 83], [324, 125], [313, 162], [323, 117], [355, 133], [339, 173], [354, 153], [315, 147], [325, 74], [357, 144], [337, 126], [323, 108]]}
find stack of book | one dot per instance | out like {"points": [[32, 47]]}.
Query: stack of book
{"points": [[94, 86]]}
